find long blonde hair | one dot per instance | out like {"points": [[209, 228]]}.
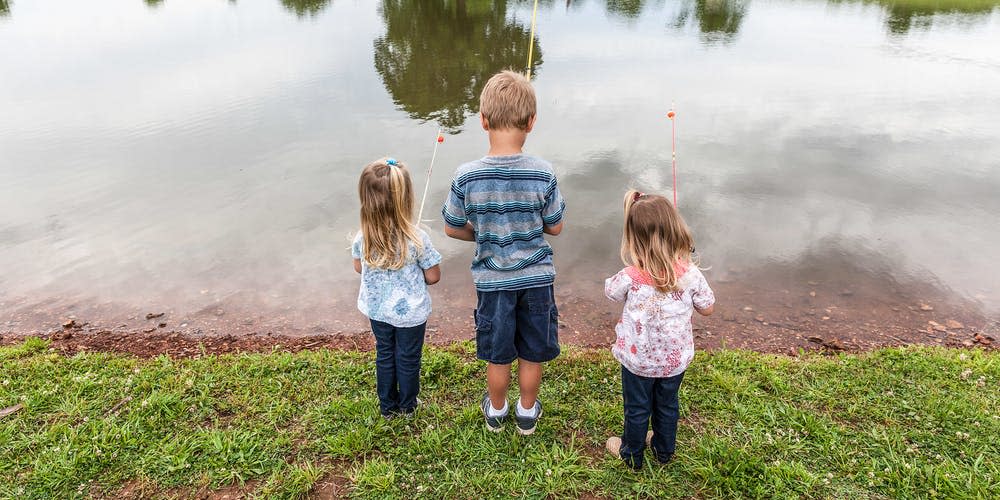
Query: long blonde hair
{"points": [[387, 226], [655, 238]]}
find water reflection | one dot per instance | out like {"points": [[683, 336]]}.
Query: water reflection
{"points": [[305, 8], [630, 9], [220, 183], [301, 8], [718, 21], [4, 8], [905, 15], [436, 55]]}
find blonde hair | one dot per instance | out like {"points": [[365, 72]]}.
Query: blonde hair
{"points": [[655, 238], [507, 101], [387, 226]]}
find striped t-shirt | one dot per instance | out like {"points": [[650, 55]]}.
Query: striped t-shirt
{"points": [[507, 200]]}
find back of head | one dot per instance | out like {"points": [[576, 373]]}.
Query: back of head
{"points": [[507, 101], [655, 238], [387, 226]]}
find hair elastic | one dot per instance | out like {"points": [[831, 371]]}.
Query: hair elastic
{"points": [[391, 162], [636, 196]]}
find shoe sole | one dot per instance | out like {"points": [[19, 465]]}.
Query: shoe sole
{"points": [[528, 432]]}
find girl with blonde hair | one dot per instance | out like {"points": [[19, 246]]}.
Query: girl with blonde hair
{"points": [[661, 287], [396, 261]]}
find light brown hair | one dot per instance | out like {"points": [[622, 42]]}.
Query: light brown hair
{"points": [[655, 237], [387, 226], [507, 101]]}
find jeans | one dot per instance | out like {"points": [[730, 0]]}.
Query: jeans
{"points": [[397, 366], [649, 398]]}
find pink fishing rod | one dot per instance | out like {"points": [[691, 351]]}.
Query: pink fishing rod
{"points": [[673, 148]]}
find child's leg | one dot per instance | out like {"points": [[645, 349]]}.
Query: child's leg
{"points": [[495, 341], [636, 392], [497, 382], [385, 367], [536, 339], [666, 411], [409, 343], [529, 379]]}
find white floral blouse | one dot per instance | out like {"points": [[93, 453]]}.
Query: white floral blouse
{"points": [[654, 334], [398, 297]]}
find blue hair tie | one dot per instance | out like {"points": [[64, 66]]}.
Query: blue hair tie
{"points": [[391, 162]]}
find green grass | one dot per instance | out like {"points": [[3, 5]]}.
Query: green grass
{"points": [[911, 422]]}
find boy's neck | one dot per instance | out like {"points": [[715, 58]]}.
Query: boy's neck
{"points": [[506, 142]]}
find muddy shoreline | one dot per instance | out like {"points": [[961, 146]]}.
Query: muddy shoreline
{"points": [[792, 316], [823, 303]]}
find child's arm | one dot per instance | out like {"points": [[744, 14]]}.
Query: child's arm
{"points": [[552, 210], [432, 275], [429, 260], [356, 253], [616, 287], [465, 233], [456, 222], [702, 296]]}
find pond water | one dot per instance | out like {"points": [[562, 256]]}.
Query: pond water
{"points": [[200, 157]]}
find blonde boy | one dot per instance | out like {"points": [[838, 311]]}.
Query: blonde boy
{"points": [[504, 202]]}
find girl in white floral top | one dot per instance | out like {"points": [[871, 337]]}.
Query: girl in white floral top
{"points": [[661, 288], [397, 261]]}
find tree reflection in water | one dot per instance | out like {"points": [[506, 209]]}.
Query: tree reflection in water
{"points": [[902, 16], [305, 8], [718, 21], [436, 55]]}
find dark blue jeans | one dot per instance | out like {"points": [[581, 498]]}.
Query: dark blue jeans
{"points": [[649, 398], [397, 366]]}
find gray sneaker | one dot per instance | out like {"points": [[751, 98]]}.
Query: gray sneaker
{"points": [[494, 424], [413, 411], [526, 425]]}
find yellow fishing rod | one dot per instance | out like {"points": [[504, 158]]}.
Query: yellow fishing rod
{"points": [[531, 39]]}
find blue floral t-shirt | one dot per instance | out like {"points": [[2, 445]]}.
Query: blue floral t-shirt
{"points": [[398, 297]]}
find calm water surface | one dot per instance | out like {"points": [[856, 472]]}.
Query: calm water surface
{"points": [[195, 155]]}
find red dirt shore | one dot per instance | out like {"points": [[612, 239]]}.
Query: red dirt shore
{"points": [[817, 308], [748, 322]]}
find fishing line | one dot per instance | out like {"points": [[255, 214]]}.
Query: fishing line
{"points": [[430, 170]]}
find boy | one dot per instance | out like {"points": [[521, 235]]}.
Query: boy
{"points": [[504, 202]]}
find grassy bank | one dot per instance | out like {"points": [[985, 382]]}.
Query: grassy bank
{"points": [[897, 422]]}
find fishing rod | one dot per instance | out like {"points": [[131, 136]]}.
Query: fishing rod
{"points": [[531, 40], [673, 148], [430, 170]]}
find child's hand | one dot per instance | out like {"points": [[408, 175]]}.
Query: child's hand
{"points": [[357, 266], [466, 233], [553, 230]]}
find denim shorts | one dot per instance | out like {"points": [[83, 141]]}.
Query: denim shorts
{"points": [[512, 324]]}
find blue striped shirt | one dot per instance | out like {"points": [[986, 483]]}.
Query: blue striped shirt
{"points": [[508, 200]]}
